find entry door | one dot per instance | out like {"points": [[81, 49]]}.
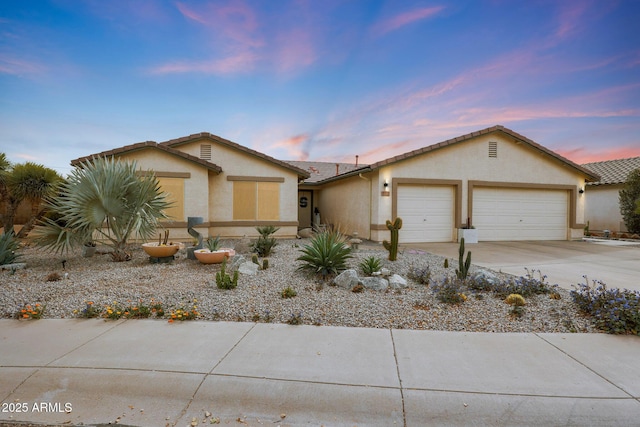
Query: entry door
{"points": [[427, 213], [304, 209]]}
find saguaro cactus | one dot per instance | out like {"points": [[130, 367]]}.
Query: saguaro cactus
{"points": [[463, 265], [392, 246]]}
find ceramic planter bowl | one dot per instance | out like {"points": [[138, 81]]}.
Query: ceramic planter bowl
{"points": [[207, 257], [230, 251], [160, 251]]}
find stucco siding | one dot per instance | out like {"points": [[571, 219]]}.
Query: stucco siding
{"points": [[346, 204], [603, 208]]}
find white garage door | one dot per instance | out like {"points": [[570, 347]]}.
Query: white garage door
{"points": [[520, 214], [426, 212]]}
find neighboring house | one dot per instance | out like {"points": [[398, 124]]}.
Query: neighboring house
{"points": [[233, 188], [603, 205], [505, 185]]}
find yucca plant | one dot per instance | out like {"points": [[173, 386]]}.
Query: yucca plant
{"points": [[107, 198], [370, 265], [8, 247], [326, 254], [265, 243]]}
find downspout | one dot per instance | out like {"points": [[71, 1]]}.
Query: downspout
{"points": [[370, 203]]}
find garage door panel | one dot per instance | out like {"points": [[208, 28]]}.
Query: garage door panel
{"points": [[426, 212], [520, 214]]}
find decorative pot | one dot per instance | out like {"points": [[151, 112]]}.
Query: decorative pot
{"points": [[160, 251], [230, 252], [205, 256]]}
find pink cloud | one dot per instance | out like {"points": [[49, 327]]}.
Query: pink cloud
{"points": [[243, 62], [294, 146], [582, 155], [295, 50], [403, 19], [20, 67]]}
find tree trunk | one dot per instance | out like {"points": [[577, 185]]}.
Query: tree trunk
{"points": [[10, 215], [37, 212]]}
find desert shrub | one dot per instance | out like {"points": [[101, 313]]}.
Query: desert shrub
{"points": [[449, 290], [614, 311], [480, 282], [525, 285], [8, 247], [628, 197], [370, 265], [421, 275], [326, 254], [288, 292], [265, 243], [223, 280]]}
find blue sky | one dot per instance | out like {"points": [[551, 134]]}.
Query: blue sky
{"points": [[317, 80]]}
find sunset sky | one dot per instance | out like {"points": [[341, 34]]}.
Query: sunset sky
{"points": [[317, 80]]}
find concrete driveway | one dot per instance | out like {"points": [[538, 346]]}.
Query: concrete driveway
{"points": [[616, 263]]}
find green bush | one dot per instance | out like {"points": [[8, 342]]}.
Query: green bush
{"points": [[449, 290], [8, 247], [265, 243], [288, 292], [370, 265], [614, 311], [326, 254], [223, 280]]}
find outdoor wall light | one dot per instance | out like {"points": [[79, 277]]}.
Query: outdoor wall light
{"points": [[386, 185], [581, 190], [385, 189]]}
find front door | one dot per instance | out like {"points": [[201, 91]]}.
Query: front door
{"points": [[304, 209]]}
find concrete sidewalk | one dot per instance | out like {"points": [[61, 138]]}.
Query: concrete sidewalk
{"points": [[152, 373]]}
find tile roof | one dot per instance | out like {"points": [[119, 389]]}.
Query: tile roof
{"points": [[591, 176], [613, 171], [319, 171], [152, 145], [206, 135]]}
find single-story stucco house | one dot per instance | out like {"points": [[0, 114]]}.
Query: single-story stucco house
{"points": [[602, 209], [505, 185], [232, 187]]}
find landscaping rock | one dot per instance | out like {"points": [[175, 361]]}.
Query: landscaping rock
{"points": [[347, 279], [385, 272], [306, 233], [397, 282], [374, 283], [485, 276], [248, 268], [14, 266], [236, 262]]}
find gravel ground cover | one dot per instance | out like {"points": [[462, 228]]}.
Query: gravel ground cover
{"points": [[184, 283]]}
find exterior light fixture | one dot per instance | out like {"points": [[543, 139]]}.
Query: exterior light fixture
{"points": [[581, 190], [385, 189]]}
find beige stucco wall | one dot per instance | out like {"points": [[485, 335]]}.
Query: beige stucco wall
{"points": [[603, 208], [210, 195], [346, 204], [469, 161]]}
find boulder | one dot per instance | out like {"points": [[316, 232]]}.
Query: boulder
{"points": [[374, 283], [397, 282], [347, 279], [305, 233], [248, 268], [486, 276], [385, 272], [236, 262]]}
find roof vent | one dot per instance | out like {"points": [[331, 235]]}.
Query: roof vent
{"points": [[205, 151], [493, 149]]}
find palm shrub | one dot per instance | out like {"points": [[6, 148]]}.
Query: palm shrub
{"points": [[629, 198], [265, 243], [108, 198], [326, 254], [8, 247]]}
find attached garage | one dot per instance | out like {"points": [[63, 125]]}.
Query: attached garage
{"points": [[427, 213], [520, 214]]}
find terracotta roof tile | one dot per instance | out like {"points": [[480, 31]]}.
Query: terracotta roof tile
{"points": [[320, 171], [613, 171], [147, 145]]}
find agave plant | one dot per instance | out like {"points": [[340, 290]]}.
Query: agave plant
{"points": [[108, 198], [8, 247], [326, 254]]}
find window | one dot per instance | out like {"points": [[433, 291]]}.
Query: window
{"points": [[254, 201], [174, 187], [493, 149]]}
